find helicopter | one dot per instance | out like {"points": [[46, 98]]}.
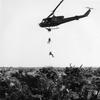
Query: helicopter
{"points": [[52, 20]]}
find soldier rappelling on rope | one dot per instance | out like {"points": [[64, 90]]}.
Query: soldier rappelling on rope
{"points": [[51, 54], [49, 40]]}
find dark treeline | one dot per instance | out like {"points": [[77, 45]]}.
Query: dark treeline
{"points": [[50, 83]]}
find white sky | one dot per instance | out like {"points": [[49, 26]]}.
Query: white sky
{"points": [[24, 43]]}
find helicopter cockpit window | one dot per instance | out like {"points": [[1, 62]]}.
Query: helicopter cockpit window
{"points": [[43, 21]]}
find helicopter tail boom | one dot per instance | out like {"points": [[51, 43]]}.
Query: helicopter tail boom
{"points": [[75, 17]]}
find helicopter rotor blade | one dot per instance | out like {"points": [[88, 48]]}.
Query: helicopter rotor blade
{"points": [[55, 9], [89, 7]]}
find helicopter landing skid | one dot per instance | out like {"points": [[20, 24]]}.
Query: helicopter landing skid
{"points": [[49, 29]]}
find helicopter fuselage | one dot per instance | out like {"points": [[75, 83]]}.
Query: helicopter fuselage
{"points": [[57, 20], [52, 21]]}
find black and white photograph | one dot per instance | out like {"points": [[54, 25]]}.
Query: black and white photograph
{"points": [[49, 49]]}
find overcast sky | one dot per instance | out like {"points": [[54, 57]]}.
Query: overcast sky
{"points": [[24, 43]]}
